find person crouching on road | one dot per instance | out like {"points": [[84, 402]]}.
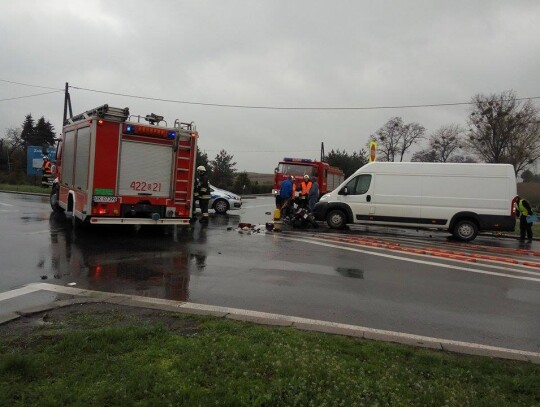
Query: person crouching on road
{"points": [[523, 209], [204, 193], [304, 193]]}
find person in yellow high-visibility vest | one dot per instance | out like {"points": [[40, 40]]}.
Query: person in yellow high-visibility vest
{"points": [[523, 209]]}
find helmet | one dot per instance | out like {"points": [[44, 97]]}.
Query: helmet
{"points": [[201, 168], [306, 176]]}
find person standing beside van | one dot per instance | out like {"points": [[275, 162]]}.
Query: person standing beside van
{"points": [[313, 195], [523, 209]]}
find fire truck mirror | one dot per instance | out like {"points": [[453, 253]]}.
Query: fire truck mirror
{"points": [[276, 170]]}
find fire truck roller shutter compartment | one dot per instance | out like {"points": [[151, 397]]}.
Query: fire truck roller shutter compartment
{"points": [[139, 174], [82, 157]]}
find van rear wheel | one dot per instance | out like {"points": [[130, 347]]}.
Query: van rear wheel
{"points": [[465, 230], [336, 219]]}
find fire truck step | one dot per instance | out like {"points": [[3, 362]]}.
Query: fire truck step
{"points": [[182, 169]]}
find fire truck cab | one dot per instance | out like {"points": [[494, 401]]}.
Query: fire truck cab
{"points": [[328, 177], [113, 170]]}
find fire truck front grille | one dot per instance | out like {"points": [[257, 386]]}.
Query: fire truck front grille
{"points": [[142, 210]]}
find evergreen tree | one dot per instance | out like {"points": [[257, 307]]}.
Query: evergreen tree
{"points": [[43, 133], [347, 163], [28, 131], [202, 159], [242, 183], [222, 172]]}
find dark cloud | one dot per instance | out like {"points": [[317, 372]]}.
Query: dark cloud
{"points": [[269, 53]]}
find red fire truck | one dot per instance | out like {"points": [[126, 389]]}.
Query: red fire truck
{"points": [[111, 170], [328, 177]]}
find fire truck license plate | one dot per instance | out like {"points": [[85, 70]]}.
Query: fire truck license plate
{"points": [[108, 199], [145, 186]]}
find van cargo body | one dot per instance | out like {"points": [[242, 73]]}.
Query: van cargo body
{"points": [[110, 170], [460, 198]]}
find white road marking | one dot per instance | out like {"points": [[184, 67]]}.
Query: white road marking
{"points": [[5, 204], [486, 263], [19, 291], [418, 261]]}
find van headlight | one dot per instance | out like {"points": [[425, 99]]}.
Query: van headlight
{"points": [[324, 197]]}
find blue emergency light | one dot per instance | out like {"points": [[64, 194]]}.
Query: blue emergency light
{"points": [[171, 135]]}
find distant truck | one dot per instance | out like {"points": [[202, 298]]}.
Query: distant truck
{"points": [[327, 176], [463, 199], [112, 170]]}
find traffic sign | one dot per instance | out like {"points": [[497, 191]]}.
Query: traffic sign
{"points": [[372, 151]]}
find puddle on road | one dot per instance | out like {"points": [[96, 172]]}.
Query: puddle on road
{"points": [[350, 272]]}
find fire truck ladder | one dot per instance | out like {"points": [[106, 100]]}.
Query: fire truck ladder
{"points": [[185, 146], [104, 112]]}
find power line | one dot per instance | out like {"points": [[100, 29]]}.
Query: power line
{"points": [[32, 86], [31, 96], [260, 107], [287, 108], [264, 151]]}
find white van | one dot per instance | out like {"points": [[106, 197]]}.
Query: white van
{"points": [[461, 198]]}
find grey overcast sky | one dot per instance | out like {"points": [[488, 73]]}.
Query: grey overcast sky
{"points": [[294, 53]]}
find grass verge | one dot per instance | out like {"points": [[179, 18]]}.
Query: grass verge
{"points": [[24, 188], [116, 357]]}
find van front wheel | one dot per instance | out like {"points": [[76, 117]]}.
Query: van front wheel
{"points": [[465, 230], [336, 219]]}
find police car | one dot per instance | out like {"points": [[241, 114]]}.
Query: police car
{"points": [[221, 201]]}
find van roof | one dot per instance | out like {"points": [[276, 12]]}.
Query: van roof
{"points": [[479, 169]]}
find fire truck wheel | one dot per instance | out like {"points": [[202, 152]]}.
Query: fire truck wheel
{"points": [[221, 206], [336, 219], [54, 199]]}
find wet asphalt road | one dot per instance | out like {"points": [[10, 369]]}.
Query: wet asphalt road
{"points": [[409, 281]]}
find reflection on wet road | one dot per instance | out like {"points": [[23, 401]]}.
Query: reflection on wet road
{"points": [[417, 282]]}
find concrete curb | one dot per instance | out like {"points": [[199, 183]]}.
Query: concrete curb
{"points": [[81, 296]]}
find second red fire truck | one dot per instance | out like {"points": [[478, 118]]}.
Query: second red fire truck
{"points": [[113, 170], [328, 177]]}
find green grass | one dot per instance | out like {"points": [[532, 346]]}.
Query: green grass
{"points": [[25, 188], [98, 360]]}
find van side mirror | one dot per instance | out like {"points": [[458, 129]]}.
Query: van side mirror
{"points": [[343, 191]]}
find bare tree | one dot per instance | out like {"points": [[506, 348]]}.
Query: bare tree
{"points": [[504, 130], [395, 138], [14, 141], [444, 143], [524, 149]]}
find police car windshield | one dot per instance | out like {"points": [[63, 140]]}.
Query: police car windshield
{"points": [[296, 169]]}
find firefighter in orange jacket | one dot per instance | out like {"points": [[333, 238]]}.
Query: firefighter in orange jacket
{"points": [[306, 186], [46, 168]]}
